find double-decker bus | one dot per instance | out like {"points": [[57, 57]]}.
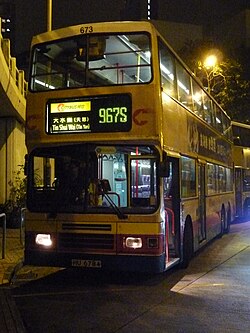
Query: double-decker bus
{"points": [[129, 161], [241, 157]]}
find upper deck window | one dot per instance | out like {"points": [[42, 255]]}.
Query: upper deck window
{"points": [[91, 60]]}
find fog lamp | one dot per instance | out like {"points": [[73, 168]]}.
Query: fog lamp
{"points": [[153, 243]]}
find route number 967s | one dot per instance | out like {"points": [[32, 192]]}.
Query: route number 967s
{"points": [[113, 115]]}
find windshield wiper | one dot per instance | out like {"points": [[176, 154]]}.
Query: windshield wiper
{"points": [[105, 189], [117, 210]]}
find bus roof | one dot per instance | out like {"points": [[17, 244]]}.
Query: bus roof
{"points": [[88, 28]]}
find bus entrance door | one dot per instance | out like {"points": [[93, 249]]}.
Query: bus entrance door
{"points": [[172, 218], [202, 206]]}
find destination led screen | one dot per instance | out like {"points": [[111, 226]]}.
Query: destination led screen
{"points": [[95, 114]]}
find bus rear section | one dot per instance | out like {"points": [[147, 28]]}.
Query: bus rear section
{"points": [[241, 157]]}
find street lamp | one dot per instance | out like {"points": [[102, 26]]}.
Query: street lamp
{"points": [[210, 61], [210, 67]]}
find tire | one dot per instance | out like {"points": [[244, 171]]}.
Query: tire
{"points": [[222, 221], [246, 208], [188, 248]]}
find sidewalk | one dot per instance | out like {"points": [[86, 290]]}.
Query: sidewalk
{"points": [[10, 320], [13, 254]]}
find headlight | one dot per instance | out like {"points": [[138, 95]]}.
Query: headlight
{"points": [[44, 240], [133, 242]]}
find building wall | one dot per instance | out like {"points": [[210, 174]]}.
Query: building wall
{"points": [[235, 32], [177, 34]]}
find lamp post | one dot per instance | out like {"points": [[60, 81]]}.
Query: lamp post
{"points": [[209, 67], [49, 15], [211, 70]]}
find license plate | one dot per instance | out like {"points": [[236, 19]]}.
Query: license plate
{"points": [[86, 263]]}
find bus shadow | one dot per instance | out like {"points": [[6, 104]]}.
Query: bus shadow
{"points": [[72, 279]]}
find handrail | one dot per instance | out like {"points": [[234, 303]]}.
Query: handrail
{"points": [[3, 215], [22, 225], [16, 74], [171, 212]]}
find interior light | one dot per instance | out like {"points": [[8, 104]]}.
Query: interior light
{"points": [[166, 71], [44, 240], [147, 54], [183, 87], [44, 84], [197, 97]]}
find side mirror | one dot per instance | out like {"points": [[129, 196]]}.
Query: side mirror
{"points": [[105, 185], [164, 167]]}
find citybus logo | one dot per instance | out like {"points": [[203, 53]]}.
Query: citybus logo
{"points": [[140, 116], [60, 107], [70, 107]]}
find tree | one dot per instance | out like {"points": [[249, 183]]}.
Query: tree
{"points": [[225, 81], [233, 93]]}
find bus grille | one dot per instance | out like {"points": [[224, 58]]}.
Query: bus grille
{"points": [[83, 242]]}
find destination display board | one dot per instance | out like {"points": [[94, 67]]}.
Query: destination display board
{"points": [[94, 114]]}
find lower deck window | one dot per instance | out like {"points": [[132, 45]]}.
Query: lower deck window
{"points": [[188, 177], [219, 179]]}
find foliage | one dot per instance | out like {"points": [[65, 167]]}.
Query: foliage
{"points": [[17, 197], [225, 82], [234, 93]]}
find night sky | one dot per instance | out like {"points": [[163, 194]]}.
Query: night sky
{"points": [[32, 18]]}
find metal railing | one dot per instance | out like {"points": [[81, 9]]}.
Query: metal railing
{"points": [[16, 74], [3, 217]]}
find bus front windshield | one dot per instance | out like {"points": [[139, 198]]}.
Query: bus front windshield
{"points": [[93, 179], [91, 60]]}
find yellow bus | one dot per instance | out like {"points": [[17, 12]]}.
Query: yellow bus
{"points": [[241, 157], [129, 161]]}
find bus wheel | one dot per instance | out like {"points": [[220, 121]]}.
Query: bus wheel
{"points": [[246, 208], [222, 221], [188, 249]]}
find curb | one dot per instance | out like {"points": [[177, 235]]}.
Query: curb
{"points": [[12, 318], [11, 272]]}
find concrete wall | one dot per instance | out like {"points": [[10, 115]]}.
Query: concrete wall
{"points": [[12, 152], [12, 117]]}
